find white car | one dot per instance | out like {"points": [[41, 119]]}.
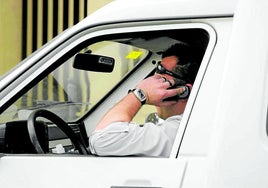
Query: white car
{"points": [[51, 102]]}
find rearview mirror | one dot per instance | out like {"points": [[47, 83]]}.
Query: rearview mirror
{"points": [[92, 62]]}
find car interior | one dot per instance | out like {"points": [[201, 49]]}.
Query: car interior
{"points": [[49, 117]]}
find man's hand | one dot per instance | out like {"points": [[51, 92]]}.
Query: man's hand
{"points": [[156, 90]]}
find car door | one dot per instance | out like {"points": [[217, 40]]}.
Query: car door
{"points": [[137, 45]]}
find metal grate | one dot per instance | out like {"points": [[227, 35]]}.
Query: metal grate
{"points": [[44, 19]]}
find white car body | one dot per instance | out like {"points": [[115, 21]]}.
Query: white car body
{"points": [[221, 142]]}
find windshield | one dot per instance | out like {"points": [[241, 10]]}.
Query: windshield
{"points": [[69, 92]]}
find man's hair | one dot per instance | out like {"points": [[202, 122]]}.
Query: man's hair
{"points": [[188, 60]]}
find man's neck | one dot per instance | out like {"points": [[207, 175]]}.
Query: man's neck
{"points": [[168, 111]]}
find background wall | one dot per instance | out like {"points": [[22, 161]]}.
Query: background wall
{"points": [[10, 33], [25, 25]]}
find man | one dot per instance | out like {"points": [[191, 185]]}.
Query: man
{"points": [[116, 135]]}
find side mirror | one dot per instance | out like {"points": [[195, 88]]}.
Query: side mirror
{"points": [[92, 62]]}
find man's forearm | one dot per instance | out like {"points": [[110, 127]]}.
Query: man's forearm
{"points": [[124, 111], [155, 89]]}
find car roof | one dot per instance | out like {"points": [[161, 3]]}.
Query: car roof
{"points": [[139, 10]]}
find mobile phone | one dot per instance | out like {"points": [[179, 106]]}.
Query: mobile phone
{"points": [[183, 95]]}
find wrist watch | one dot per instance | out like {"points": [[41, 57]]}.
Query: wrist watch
{"points": [[139, 94]]}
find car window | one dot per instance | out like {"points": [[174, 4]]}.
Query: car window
{"points": [[81, 97]]}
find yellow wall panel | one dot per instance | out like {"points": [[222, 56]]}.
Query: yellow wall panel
{"points": [[10, 34], [93, 5]]}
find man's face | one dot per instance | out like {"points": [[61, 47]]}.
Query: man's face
{"points": [[169, 63]]}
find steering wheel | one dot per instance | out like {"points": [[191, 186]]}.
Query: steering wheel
{"points": [[31, 123]]}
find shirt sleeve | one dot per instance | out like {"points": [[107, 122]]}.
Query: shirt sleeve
{"points": [[122, 139]]}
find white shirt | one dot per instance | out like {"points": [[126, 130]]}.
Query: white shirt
{"points": [[123, 138]]}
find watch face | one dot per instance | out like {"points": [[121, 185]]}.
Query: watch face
{"points": [[142, 95]]}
